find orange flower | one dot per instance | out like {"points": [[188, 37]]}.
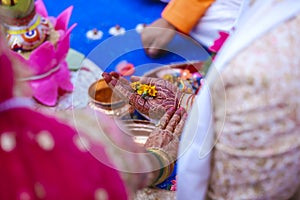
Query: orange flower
{"points": [[186, 74]]}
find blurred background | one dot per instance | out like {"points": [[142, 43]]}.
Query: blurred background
{"points": [[108, 51], [102, 15]]}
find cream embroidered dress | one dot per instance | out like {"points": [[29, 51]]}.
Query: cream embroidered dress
{"points": [[257, 155], [255, 112]]}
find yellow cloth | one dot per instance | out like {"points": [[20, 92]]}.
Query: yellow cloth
{"points": [[184, 14]]}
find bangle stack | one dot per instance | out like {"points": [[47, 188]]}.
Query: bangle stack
{"points": [[166, 165]]}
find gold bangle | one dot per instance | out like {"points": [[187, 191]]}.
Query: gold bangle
{"points": [[155, 182], [167, 166]]}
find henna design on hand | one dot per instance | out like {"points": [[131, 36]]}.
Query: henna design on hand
{"points": [[166, 135]]}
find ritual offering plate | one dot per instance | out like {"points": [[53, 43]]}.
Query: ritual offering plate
{"points": [[103, 99], [139, 129], [188, 76]]}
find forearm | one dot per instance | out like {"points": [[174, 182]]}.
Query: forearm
{"points": [[156, 167], [142, 172], [162, 144]]}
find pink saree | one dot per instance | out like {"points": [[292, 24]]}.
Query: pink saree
{"points": [[40, 156]]}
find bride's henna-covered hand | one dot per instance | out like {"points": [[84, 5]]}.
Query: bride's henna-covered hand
{"points": [[125, 152], [166, 135], [168, 95]]}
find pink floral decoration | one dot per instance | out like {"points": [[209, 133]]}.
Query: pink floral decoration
{"points": [[219, 42], [47, 62], [174, 184]]}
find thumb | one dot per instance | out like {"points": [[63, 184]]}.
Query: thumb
{"points": [[152, 52], [124, 89]]}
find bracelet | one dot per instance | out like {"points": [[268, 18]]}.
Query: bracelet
{"points": [[167, 171], [166, 165], [161, 171]]}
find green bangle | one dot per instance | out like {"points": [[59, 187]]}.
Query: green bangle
{"points": [[161, 171]]}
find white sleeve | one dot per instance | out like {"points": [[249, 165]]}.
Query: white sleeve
{"points": [[222, 15], [195, 150]]}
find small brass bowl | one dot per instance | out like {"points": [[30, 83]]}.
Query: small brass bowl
{"points": [[103, 98], [139, 130]]}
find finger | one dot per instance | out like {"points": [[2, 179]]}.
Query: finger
{"points": [[179, 128], [146, 37], [135, 78], [124, 81], [166, 118], [113, 83], [131, 110], [123, 92], [115, 74], [111, 78], [105, 74], [147, 40], [143, 80], [106, 77], [175, 120], [122, 86], [153, 52]]}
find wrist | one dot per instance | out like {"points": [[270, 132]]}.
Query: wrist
{"points": [[165, 168], [167, 24]]}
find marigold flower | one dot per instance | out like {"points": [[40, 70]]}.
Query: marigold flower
{"points": [[152, 91], [143, 89], [135, 85]]}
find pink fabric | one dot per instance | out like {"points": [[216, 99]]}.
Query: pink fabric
{"points": [[219, 42], [63, 172], [62, 20], [41, 8], [7, 80], [40, 157], [48, 57]]}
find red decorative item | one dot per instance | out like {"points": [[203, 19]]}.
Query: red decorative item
{"points": [[174, 184], [125, 68]]}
